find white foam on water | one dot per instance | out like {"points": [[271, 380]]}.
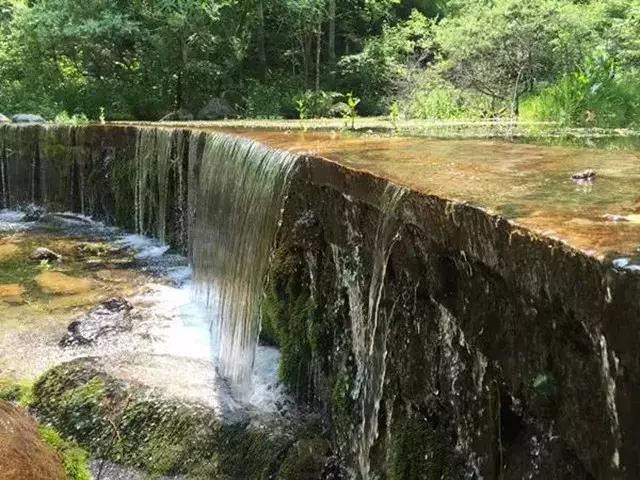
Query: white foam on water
{"points": [[181, 326], [12, 221], [145, 247]]}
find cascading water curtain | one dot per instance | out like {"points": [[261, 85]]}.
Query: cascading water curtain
{"points": [[153, 163], [241, 193], [369, 322]]}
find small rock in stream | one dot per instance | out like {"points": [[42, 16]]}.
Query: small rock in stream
{"points": [[33, 213], [585, 176], [42, 253], [615, 218], [110, 316]]}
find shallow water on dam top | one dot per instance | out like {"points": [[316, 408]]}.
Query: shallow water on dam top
{"points": [[530, 185]]}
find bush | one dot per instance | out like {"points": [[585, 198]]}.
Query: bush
{"points": [[20, 392], [75, 119], [434, 99], [275, 99], [319, 104]]}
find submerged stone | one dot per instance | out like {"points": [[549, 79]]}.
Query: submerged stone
{"points": [[61, 284], [11, 292], [8, 250], [111, 316]]}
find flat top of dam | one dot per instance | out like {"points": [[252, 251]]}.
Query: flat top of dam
{"points": [[529, 184]]}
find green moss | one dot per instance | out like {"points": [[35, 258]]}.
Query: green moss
{"points": [[342, 408], [159, 435], [304, 459], [287, 312], [20, 392], [421, 451], [74, 458]]}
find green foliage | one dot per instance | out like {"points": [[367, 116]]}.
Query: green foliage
{"points": [[594, 95], [75, 119], [348, 110], [74, 458], [142, 59], [394, 115]]}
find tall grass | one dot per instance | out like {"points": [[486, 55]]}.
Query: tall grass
{"points": [[597, 95]]}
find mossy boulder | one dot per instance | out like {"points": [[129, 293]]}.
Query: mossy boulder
{"points": [[142, 428]]}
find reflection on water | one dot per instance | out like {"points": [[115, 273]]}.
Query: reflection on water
{"points": [[528, 184]]}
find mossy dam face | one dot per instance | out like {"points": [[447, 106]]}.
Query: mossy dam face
{"points": [[452, 309]]}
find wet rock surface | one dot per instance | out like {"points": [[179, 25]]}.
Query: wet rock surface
{"points": [[23, 454], [110, 317], [506, 353], [42, 253], [27, 118], [496, 362]]}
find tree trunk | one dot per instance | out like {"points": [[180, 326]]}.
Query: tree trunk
{"points": [[318, 51], [179, 99], [306, 56], [262, 54], [332, 32]]}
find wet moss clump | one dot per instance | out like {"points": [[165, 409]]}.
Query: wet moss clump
{"points": [[287, 313], [138, 427], [305, 459], [74, 459], [421, 450]]}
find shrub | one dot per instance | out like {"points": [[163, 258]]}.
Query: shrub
{"points": [[75, 119], [275, 99]]}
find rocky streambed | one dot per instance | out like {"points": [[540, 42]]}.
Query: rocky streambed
{"points": [[102, 338]]}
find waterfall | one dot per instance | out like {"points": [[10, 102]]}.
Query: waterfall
{"points": [[153, 163], [240, 194], [369, 322]]}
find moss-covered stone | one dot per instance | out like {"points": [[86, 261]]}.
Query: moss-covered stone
{"points": [[20, 391], [305, 459], [420, 450], [135, 426]]}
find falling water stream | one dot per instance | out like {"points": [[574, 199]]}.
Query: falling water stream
{"points": [[370, 323], [240, 196]]}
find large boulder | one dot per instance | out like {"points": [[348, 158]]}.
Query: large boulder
{"points": [[23, 454], [216, 109], [169, 433], [4, 119], [27, 118], [178, 116]]}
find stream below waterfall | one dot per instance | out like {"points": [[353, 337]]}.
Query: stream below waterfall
{"points": [[125, 301]]}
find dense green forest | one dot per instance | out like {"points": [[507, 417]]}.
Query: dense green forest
{"points": [[574, 62]]}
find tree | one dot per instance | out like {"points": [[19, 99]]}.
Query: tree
{"points": [[501, 49]]}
